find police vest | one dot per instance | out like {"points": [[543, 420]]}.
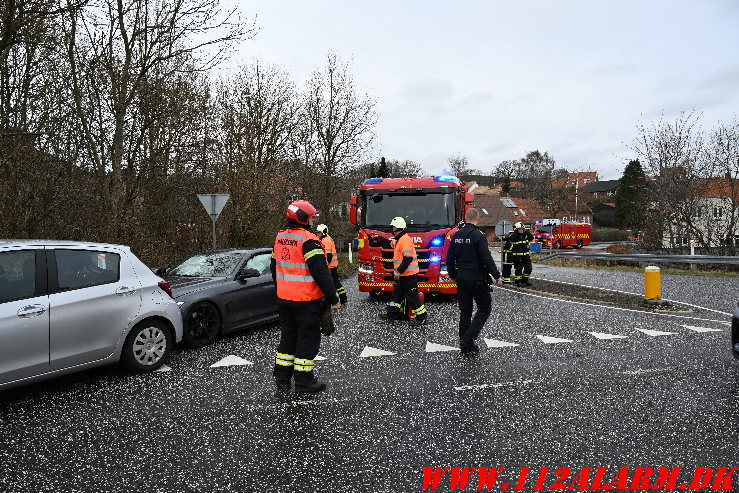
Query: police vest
{"points": [[294, 280], [404, 248], [330, 247]]}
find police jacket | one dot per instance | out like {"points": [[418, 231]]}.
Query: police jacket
{"points": [[469, 250], [518, 243], [316, 265]]}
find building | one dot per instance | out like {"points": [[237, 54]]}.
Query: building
{"points": [[600, 190], [494, 209]]}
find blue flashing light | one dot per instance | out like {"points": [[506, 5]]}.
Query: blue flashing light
{"points": [[372, 181], [437, 242], [446, 178], [435, 259]]}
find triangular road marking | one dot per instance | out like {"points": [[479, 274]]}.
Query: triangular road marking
{"points": [[604, 336], [432, 347], [700, 329], [163, 368], [231, 360], [496, 343], [552, 340], [656, 333], [371, 351], [320, 358]]}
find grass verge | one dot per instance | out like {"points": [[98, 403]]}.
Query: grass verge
{"points": [[701, 270]]}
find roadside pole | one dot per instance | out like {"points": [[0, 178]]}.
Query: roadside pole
{"points": [[692, 252], [214, 204]]}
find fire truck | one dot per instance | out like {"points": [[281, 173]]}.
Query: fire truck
{"points": [[562, 235], [432, 208]]}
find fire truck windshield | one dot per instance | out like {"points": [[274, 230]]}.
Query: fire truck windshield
{"points": [[421, 211], [544, 229]]}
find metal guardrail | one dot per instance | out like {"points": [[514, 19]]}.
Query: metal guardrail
{"points": [[648, 257]]}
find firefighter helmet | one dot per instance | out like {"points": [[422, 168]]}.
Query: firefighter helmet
{"points": [[301, 211], [398, 222], [322, 228], [518, 225]]}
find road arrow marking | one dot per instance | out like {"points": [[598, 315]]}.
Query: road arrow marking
{"points": [[552, 340], [494, 385], [163, 368], [656, 333], [700, 329], [604, 336], [432, 347], [371, 351], [496, 343], [231, 360], [320, 358]]}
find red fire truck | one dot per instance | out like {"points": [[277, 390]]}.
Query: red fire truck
{"points": [[563, 234], [432, 208]]}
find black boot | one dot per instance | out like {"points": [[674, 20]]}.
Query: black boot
{"points": [[282, 383], [418, 321], [310, 388], [526, 282], [468, 347], [342, 299]]}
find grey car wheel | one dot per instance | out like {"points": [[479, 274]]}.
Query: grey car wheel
{"points": [[147, 346]]}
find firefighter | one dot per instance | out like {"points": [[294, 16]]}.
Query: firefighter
{"points": [[507, 260], [405, 274], [521, 253], [470, 263], [332, 257], [303, 281]]}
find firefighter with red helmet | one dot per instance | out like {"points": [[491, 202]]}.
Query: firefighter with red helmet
{"points": [[332, 257], [405, 273], [303, 282]]}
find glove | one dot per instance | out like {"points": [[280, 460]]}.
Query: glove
{"points": [[327, 320]]}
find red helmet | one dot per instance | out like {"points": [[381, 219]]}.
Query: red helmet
{"points": [[301, 211]]}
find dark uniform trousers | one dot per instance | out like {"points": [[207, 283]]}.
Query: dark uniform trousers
{"points": [[472, 286], [507, 267], [406, 288], [300, 327], [522, 264]]}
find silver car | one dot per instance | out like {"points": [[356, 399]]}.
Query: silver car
{"points": [[68, 306]]}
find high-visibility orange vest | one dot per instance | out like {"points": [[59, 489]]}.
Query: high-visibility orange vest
{"points": [[330, 247], [294, 280], [404, 248]]}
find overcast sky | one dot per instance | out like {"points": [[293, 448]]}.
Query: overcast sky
{"points": [[493, 80]]}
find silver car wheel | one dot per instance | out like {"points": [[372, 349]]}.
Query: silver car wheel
{"points": [[149, 346]]}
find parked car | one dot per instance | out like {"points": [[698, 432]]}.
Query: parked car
{"points": [[221, 291], [735, 332], [68, 306]]}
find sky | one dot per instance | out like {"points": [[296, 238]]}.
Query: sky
{"points": [[493, 80]]}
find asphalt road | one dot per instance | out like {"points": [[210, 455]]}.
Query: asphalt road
{"points": [[643, 399]]}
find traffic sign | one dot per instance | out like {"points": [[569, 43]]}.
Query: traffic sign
{"points": [[214, 204]]}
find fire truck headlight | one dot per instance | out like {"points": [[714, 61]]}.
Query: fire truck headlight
{"points": [[443, 271], [365, 268]]}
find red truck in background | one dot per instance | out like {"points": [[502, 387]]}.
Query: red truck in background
{"points": [[562, 235], [432, 208]]}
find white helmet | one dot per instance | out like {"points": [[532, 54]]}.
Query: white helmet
{"points": [[518, 225], [322, 228], [398, 222]]}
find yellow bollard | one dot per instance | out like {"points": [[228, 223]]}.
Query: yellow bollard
{"points": [[651, 283]]}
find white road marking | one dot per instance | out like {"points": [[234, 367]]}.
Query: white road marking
{"points": [[320, 358], [552, 298], [494, 385], [641, 371], [552, 340], [604, 336], [231, 360], [495, 343], [656, 333], [700, 329], [371, 351], [432, 347], [163, 368]]}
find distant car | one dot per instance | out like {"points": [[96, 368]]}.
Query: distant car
{"points": [[735, 332], [68, 306], [221, 291]]}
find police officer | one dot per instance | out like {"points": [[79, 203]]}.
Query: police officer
{"points": [[521, 253], [332, 257], [470, 263], [405, 273], [302, 277]]}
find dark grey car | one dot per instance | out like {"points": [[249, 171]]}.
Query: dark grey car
{"points": [[735, 332], [219, 291]]}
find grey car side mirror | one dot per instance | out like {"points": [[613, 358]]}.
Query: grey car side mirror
{"points": [[161, 271], [246, 273]]}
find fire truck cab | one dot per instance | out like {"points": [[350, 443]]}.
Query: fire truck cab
{"points": [[560, 235], [432, 208]]}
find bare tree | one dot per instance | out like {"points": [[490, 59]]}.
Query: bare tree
{"points": [[113, 51]]}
